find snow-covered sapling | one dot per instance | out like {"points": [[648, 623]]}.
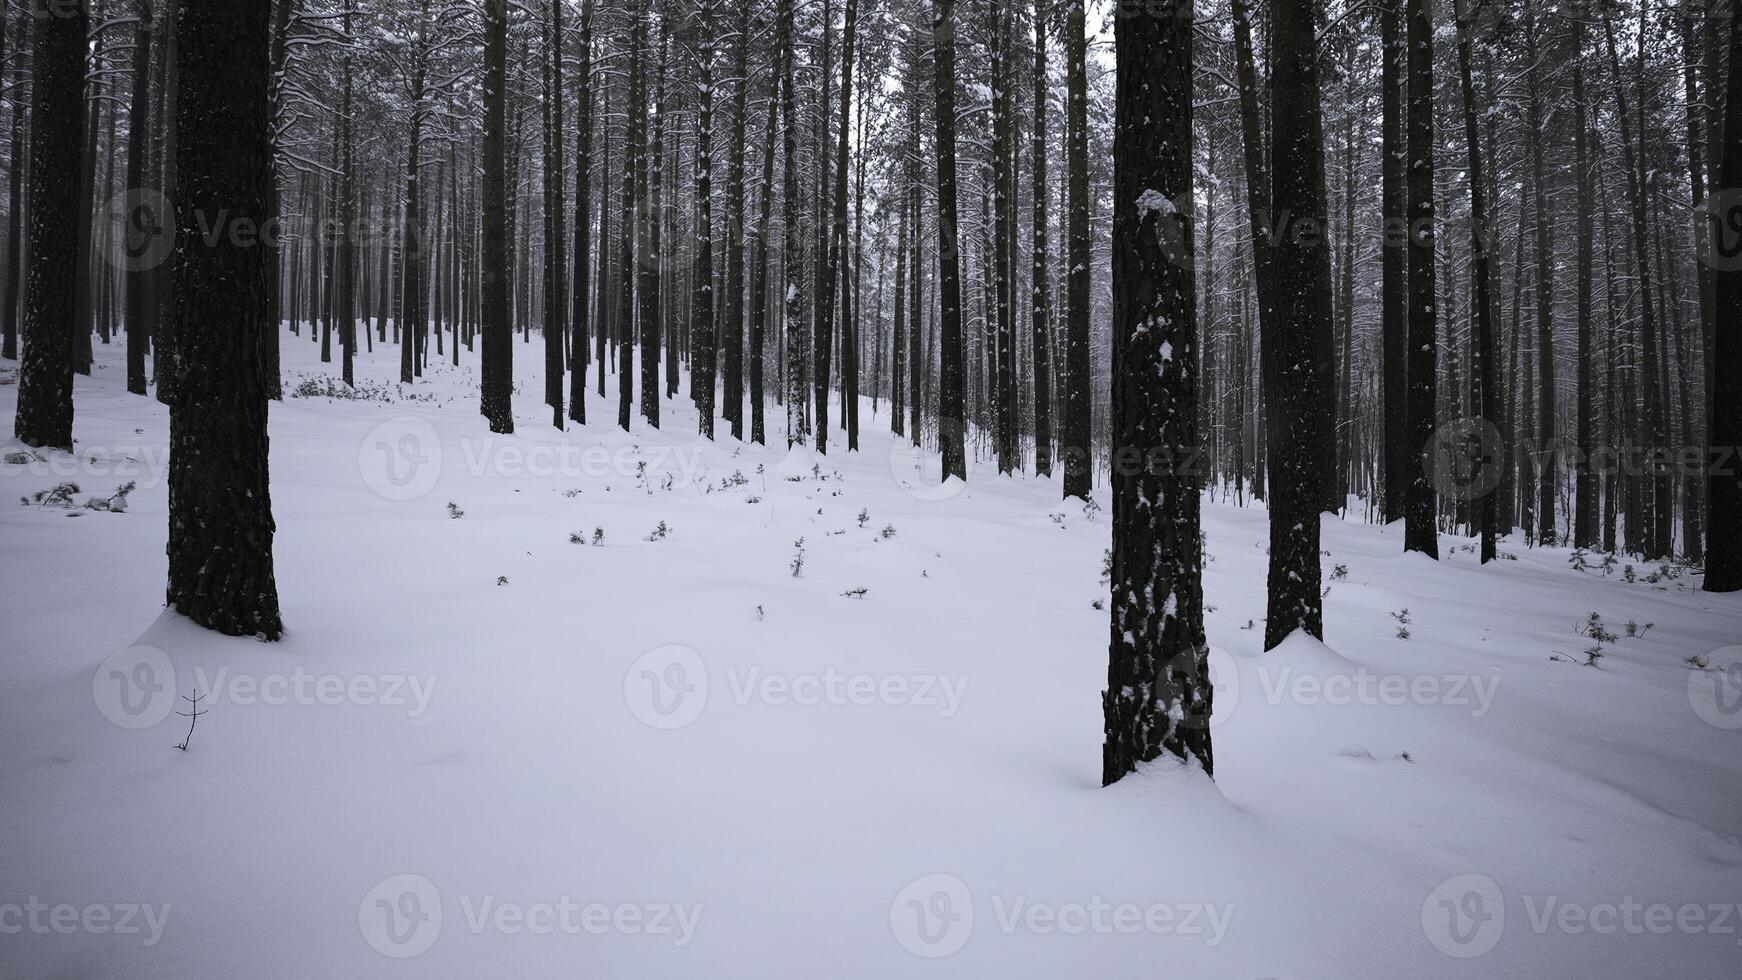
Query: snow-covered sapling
{"points": [[454, 511], [864, 517], [797, 564], [659, 533]]}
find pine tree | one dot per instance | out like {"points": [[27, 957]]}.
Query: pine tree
{"points": [[1421, 531], [1724, 472], [220, 505], [951, 407], [1078, 433], [497, 328], [1298, 382], [1158, 696], [57, 124]]}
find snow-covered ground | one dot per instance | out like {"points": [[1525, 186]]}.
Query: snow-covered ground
{"points": [[484, 748]]}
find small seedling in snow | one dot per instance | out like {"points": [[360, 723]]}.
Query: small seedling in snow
{"points": [[454, 511], [887, 532], [1697, 662], [501, 580], [1595, 629], [1578, 560], [1637, 631], [759, 614], [192, 715], [60, 496], [659, 533], [858, 593], [1627, 574], [1107, 567], [797, 564], [1339, 572], [598, 537], [1402, 617], [1098, 604]]}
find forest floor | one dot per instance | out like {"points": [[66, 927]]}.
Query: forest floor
{"points": [[581, 703]]}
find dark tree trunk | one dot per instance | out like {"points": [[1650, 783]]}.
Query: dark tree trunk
{"points": [[133, 241], [1585, 531], [950, 374], [797, 426], [1482, 371], [1302, 269], [1724, 479], [1158, 684], [1394, 300], [57, 114], [1420, 531], [497, 382], [15, 168], [1040, 287], [556, 308], [837, 240], [1077, 448], [649, 247], [732, 309], [759, 282], [702, 307], [220, 505], [578, 348]]}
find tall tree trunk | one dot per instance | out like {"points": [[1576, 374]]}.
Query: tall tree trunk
{"points": [[220, 504], [498, 355], [951, 405], [837, 236], [57, 114], [1078, 435], [1482, 371], [1040, 289], [1302, 267], [1421, 532], [732, 309], [556, 308], [1724, 479], [1585, 531], [1158, 682], [702, 309], [142, 227]]}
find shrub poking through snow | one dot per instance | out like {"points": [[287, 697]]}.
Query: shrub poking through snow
{"points": [[797, 564], [454, 511]]}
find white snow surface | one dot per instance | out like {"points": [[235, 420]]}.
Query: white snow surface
{"points": [[674, 758]]}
